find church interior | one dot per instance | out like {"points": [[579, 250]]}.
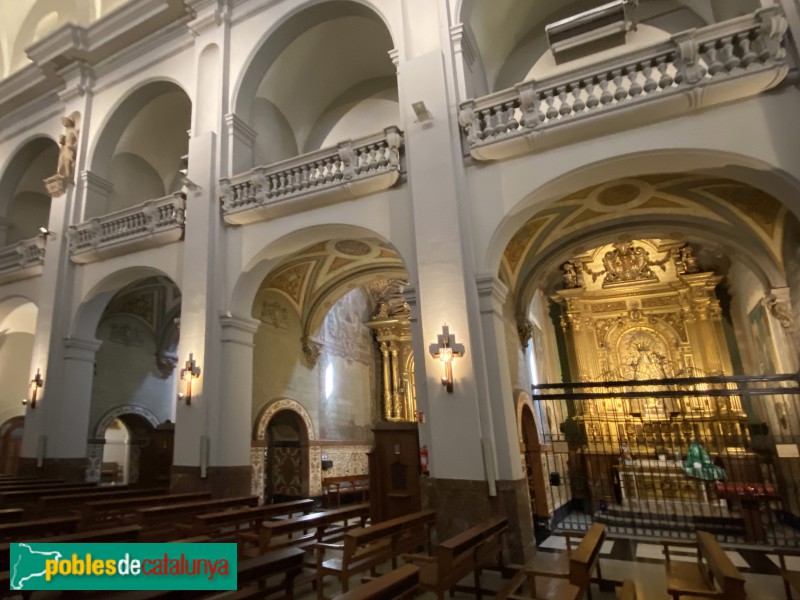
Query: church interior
{"points": [[406, 297]]}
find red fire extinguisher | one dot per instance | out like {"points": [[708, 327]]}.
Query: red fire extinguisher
{"points": [[423, 459]]}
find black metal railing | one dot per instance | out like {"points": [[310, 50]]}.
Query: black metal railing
{"points": [[663, 458]]}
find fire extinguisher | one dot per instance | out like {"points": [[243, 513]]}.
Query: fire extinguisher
{"points": [[423, 459]]}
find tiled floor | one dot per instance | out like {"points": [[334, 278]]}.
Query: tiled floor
{"points": [[642, 562]]}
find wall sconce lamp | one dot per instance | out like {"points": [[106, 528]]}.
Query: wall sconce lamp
{"points": [[36, 383], [188, 372], [445, 349]]}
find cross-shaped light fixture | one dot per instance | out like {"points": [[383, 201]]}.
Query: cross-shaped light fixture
{"points": [[36, 383], [445, 349], [188, 372]]}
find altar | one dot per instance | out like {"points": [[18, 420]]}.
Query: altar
{"points": [[650, 479]]}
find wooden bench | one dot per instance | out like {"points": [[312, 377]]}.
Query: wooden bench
{"points": [[117, 511], [161, 523], [243, 525], [11, 515], [365, 548], [568, 575], [468, 552], [313, 528], [33, 495], [22, 531], [60, 504], [335, 488], [395, 585], [712, 576]]}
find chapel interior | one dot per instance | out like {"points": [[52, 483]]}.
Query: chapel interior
{"points": [[503, 275]]}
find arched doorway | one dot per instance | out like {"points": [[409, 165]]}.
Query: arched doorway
{"points": [[10, 444], [286, 459], [115, 456], [534, 461]]}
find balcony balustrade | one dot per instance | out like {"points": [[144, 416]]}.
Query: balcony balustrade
{"points": [[352, 169], [697, 68], [153, 223], [21, 260]]}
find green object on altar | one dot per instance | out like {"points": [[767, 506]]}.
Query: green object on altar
{"points": [[699, 466]]}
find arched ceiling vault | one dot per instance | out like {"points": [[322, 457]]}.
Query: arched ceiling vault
{"points": [[313, 279], [728, 218]]}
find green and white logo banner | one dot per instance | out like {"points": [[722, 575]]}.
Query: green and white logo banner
{"points": [[131, 566]]}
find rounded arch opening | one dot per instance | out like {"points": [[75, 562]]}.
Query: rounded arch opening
{"points": [[340, 45]]}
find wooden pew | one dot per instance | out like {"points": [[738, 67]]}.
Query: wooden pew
{"points": [[253, 574], [243, 525], [567, 575], [117, 534], [313, 528], [61, 503], [712, 576], [33, 495], [116, 511], [335, 488], [395, 585], [365, 548], [24, 530], [161, 523], [468, 552], [11, 515]]}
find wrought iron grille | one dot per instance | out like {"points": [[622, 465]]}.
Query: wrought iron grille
{"points": [[663, 458]]}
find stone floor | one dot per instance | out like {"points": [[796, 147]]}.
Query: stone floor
{"points": [[641, 561]]}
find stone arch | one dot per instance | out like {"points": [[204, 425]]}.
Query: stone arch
{"points": [[119, 411], [748, 170], [121, 113], [90, 311], [258, 266], [259, 442], [303, 17], [20, 158], [276, 405]]}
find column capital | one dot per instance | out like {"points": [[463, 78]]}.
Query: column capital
{"points": [[94, 183], [238, 128], [238, 330], [80, 349], [492, 293]]}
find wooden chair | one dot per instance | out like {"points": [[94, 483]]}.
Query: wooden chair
{"points": [[712, 576], [395, 585]]}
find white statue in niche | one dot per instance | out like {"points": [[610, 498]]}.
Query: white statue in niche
{"points": [[69, 148]]}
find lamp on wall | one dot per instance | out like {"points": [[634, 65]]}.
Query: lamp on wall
{"points": [[36, 383], [46, 233], [189, 372], [446, 349]]}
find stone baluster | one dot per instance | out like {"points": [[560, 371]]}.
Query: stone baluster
{"points": [[565, 107], [511, 116], [712, 57], [728, 54], [393, 142], [745, 50], [620, 93], [551, 112], [649, 83], [665, 80], [488, 127], [591, 99], [578, 105], [634, 87], [606, 97]]}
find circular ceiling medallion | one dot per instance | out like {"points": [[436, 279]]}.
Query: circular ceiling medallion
{"points": [[619, 194], [352, 247]]}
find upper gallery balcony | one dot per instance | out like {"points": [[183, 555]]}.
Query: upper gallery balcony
{"points": [[21, 260], [351, 169], [725, 61], [147, 225]]}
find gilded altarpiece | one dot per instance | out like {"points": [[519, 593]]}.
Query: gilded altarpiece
{"points": [[392, 329], [644, 310]]}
